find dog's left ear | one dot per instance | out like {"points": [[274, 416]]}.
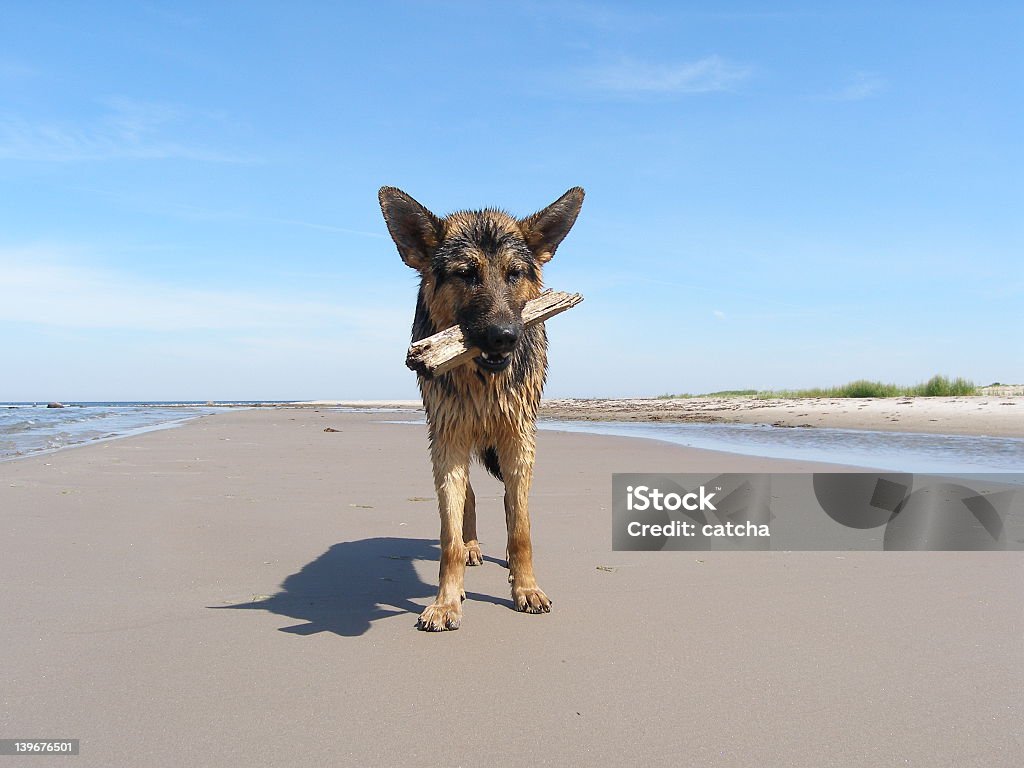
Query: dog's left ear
{"points": [[545, 229]]}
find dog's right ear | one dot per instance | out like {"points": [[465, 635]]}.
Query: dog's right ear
{"points": [[415, 230]]}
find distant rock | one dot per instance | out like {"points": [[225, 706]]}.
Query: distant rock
{"points": [[55, 405]]}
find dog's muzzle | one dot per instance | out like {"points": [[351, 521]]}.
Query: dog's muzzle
{"points": [[493, 362], [496, 352]]}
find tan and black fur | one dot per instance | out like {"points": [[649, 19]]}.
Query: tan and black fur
{"points": [[478, 269]]}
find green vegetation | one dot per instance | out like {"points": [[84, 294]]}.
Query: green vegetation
{"points": [[940, 386], [723, 393], [936, 386]]}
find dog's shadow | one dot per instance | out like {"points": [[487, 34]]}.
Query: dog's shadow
{"points": [[355, 583]]}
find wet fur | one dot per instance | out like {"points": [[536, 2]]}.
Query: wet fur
{"points": [[472, 413]]}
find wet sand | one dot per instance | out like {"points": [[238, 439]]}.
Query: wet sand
{"points": [[243, 591]]}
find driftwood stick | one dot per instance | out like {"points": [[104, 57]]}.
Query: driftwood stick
{"points": [[443, 351]]}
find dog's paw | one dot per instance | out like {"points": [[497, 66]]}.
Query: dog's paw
{"points": [[530, 600], [473, 554], [439, 617]]}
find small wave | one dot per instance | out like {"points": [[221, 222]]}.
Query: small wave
{"points": [[56, 429], [16, 426]]}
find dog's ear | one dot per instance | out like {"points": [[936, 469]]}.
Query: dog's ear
{"points": [[415, 230], [546, 229]]}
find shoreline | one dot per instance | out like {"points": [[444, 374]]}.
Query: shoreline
{"points": [[976, 415], [953, 417]]}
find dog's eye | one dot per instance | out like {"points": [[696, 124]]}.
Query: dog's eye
{"points": [[465, 273], [515, 273]]}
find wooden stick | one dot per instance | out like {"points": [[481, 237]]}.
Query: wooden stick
{"points": [[443, 351]]}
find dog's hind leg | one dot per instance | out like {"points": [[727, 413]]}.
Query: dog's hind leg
{"points": [[516, 458], [451, 478], [473, 555]]}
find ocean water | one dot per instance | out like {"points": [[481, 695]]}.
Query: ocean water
{"points": [[895, 451], [892, 451], [31, 428], [27, 429]]}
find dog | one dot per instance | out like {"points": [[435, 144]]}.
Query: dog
{"points": [[477, 270]]}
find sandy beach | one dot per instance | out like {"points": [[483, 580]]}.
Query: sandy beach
{"points": [[998, 415], [242, 590]]}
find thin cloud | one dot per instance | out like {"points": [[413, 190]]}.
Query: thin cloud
{"points": [[126, 129], [328, 228], [859, 86], [12, 71], [201, 213], [631, 77], [39, 286]]}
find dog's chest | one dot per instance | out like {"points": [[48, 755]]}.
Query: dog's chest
{"points": [[481, 406]]}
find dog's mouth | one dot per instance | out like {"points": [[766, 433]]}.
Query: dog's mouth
{"points": [[493, 362]]}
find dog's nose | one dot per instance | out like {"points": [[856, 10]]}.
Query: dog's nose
{"points": [[502, 338]]}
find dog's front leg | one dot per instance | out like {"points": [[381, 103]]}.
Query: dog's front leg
{"points": [[517, 469], [473, 555], [451, 479]]}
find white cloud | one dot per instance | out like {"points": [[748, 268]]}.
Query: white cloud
{"points": [[712, 73], [859, 86], [40, 286], [77, 332], [126, 128]]}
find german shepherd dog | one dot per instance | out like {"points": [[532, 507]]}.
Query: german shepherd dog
{"points": [[477, 270]]}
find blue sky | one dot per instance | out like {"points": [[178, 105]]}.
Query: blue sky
{"points": [[778, 195]]}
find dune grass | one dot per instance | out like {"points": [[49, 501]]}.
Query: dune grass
{"points": [[936, 386], [723, 393]]}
